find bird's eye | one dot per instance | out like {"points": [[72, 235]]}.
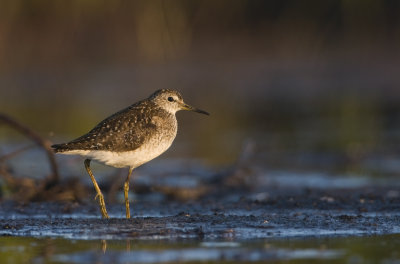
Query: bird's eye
{"points": [[170, 99]]}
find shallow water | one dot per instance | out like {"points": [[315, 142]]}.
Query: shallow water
{"points": [[371, 249]]}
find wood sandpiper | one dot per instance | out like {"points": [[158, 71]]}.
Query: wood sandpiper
{"points": [[130, 137]]}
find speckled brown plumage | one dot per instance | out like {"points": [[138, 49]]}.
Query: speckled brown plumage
{"points": [[133, 135], [123, 131]]}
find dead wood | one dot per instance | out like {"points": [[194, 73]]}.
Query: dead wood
{"points": [[36, 138]]}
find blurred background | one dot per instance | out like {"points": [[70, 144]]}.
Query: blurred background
{"points": [[305, 81], [297, 91]]}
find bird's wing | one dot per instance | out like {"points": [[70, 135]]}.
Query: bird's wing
{"points": [[124, 131]]}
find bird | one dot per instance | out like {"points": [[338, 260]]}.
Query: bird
{"points": [[130, 138]]}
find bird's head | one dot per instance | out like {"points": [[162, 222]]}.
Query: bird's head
{"points": [[172, 101]]}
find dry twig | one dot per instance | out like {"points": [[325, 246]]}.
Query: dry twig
{"points": [[43, 143]]}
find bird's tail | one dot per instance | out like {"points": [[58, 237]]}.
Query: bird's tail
{"points": [[59, 148]]}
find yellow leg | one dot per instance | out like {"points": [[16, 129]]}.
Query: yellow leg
{"points": [[126, 190], [96, 186]]}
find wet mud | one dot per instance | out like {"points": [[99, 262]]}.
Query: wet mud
{"points": [[281, 212]]}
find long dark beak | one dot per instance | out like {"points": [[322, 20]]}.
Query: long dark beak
{"points": [[193, 109]]}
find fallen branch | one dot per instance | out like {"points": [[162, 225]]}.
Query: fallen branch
{"points": [[43, 143]]}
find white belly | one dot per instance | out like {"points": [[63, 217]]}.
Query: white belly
{"points": [[132, 159]]}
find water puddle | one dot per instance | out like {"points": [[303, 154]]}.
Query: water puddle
{"points": [[337, 249]]}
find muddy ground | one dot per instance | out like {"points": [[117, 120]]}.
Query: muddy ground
{"points": [[283, 212], [184, 199]]}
